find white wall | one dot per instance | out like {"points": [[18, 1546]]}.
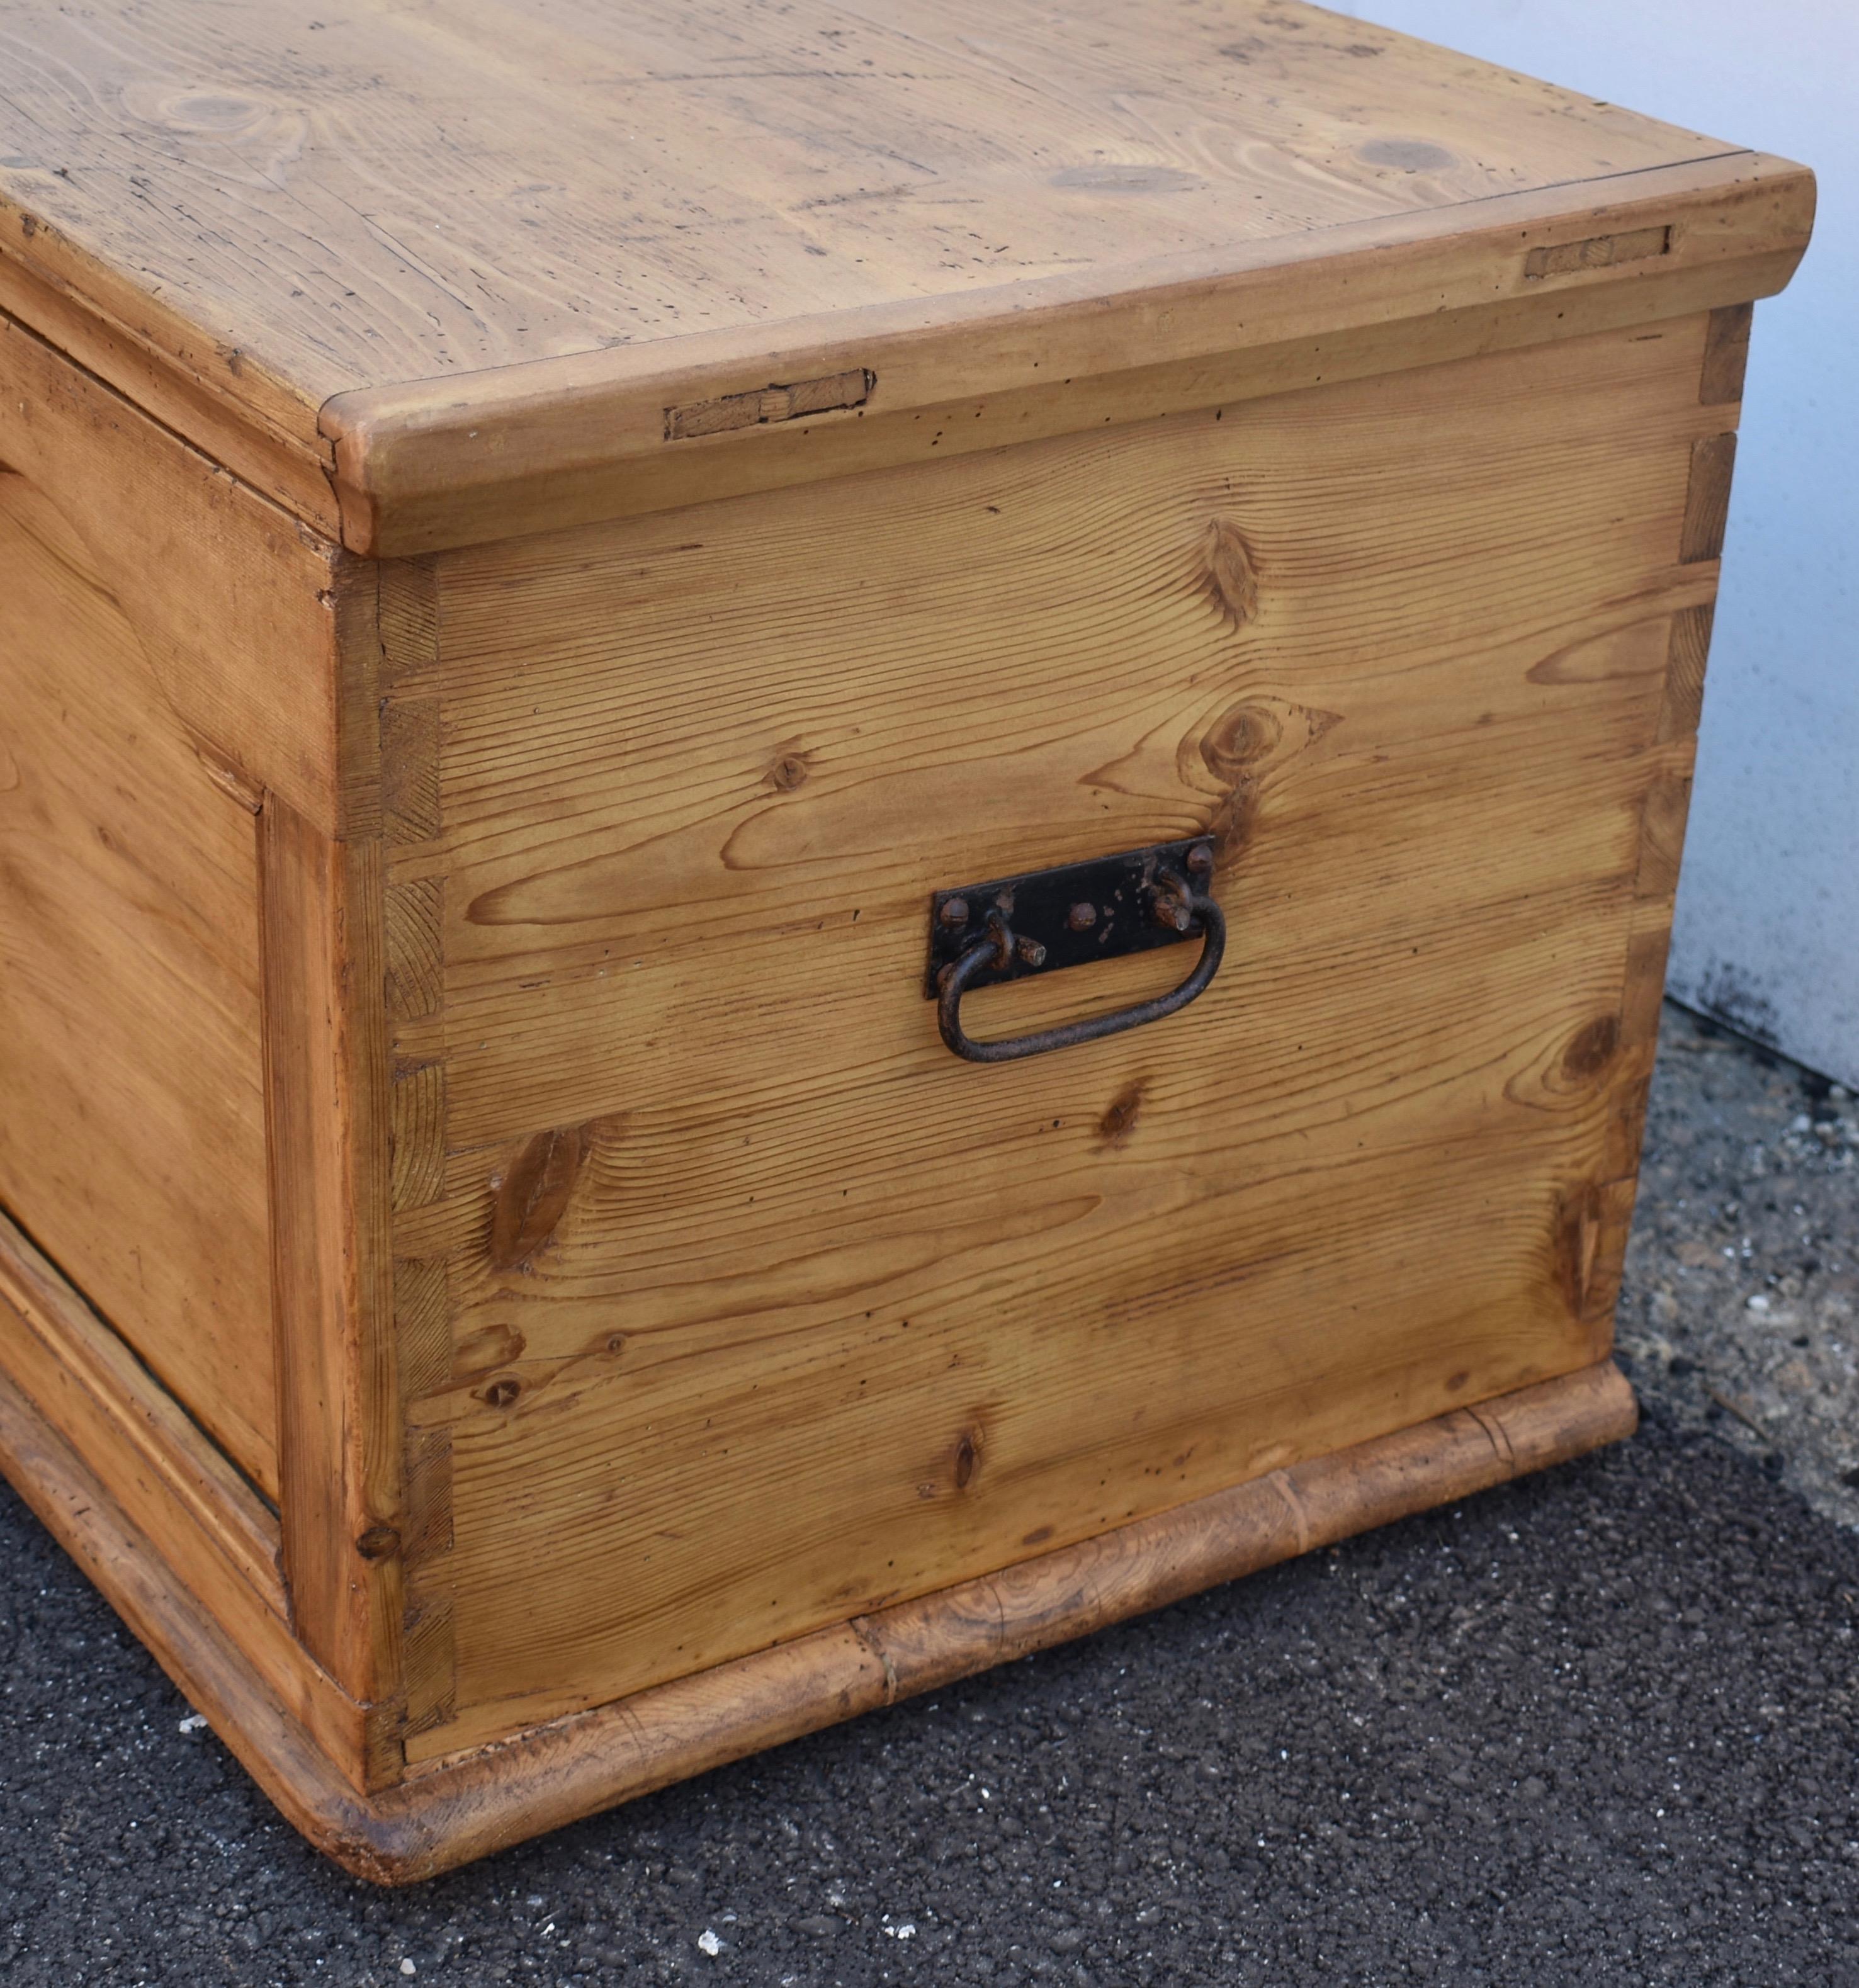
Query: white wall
{"points": [[1768, 927]]}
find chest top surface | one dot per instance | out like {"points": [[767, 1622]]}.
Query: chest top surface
{"points": [[388, 207]]}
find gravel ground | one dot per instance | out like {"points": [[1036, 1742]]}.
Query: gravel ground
{"points": [[1740, 1312], [1598, 1726]]}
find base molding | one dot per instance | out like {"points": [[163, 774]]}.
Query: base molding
{"points": [[450, 1811], [219, 1543]]}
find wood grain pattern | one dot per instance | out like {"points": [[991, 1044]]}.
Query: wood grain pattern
{"points": [[327, 1086], [412, 194], [1726, 353], [926, 1644], [804, 457], [407, 635], [1598, 252], [290, 471], [682, 948], [217, 1541], [182, 941], [1684, 702], [232, 600], [772, 403], [347, 209], [1707, 506], [564, 440], [455, 1810], [1668, 800], [132, 1125], [77, 1357]]}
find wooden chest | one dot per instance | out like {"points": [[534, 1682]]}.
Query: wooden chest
{"points": [[558, 565]]}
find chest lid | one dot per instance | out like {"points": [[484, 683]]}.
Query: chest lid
{"points": [[429, 276]]}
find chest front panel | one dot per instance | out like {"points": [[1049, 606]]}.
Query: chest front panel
{"points": [[132, 1120]]}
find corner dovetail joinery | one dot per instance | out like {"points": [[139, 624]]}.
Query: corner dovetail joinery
{"points": [[1667, 801], [413, 905], [358, 1084], [325, 1081]]}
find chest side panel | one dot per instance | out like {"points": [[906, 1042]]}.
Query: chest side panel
{"points": [[733, 1304], [132, 1120]]}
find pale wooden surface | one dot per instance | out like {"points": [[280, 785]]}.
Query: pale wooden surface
{"points": [[762, 1311], [560, 442], [230, 598], [83, 1374], [650, 1287], [208, 1535], [182, 664], [397, 193], [577, 224], [338, 1437], [132, 1113], [454, 1811]]}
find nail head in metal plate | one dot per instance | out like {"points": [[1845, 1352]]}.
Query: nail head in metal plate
{"points": [[1076, 912]]}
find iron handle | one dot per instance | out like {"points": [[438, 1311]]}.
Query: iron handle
{"points": [[1178, 905]]}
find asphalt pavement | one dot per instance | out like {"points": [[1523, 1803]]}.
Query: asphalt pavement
{"points": [[1599, 1726]]}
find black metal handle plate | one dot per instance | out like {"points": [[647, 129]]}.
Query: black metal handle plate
{"points": [[1045, 919]]}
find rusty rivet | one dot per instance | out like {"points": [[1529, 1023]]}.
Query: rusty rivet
{"points": [[1201, 857], [500, 1394], [615, 1342], [377, 1543], [955, 913], [1083, 917], [1030, 952]]}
